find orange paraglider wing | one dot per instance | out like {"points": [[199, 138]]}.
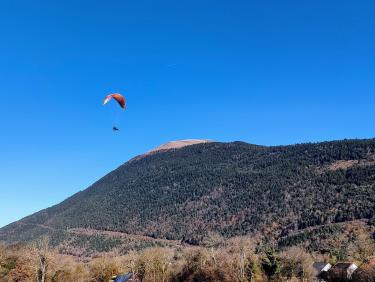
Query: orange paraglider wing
{"points": [[118, 97]]}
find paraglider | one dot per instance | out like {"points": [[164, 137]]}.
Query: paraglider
{"points": [[120, 101], [118, 97]]}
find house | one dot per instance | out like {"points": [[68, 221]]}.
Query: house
{"points": [[342, 271], [123, 278], [320, 270], [366, 272]]}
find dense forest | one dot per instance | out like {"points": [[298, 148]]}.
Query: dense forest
{"points": [[285, 193]]}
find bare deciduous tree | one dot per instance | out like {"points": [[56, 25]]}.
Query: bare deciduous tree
{"points": [[296, 264]]}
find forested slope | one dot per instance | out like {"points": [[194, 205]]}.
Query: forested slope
{"points": [[230, 188]]}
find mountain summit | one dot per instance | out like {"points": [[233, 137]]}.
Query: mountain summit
{"points": [[179, 144], [173, 145]]}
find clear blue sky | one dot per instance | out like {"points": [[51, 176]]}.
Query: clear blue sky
{"points": [[265, 72]]}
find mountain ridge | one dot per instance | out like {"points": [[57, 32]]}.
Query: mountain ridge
{"points": [[172, 145], [229, 188]]}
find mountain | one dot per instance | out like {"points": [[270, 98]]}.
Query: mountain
{"points": [[173, 145], [177, 192]]}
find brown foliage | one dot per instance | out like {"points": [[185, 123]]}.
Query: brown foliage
{"points": [[297, 264], [221, 260], [102, 269], [200, 266], [366, 273]]}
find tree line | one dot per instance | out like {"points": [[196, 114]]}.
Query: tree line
{"points": [[217, 259]]}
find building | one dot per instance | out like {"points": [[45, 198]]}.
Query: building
{"points": [[342, 271], [321, 269], [123, 278]]}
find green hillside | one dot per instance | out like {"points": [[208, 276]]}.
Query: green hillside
{"points": [[230, 188]]}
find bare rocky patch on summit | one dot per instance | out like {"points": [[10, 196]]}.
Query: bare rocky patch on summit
{"points": [[173, 145]]}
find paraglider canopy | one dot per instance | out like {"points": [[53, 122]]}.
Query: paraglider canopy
{"points": [[118, 97]]}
